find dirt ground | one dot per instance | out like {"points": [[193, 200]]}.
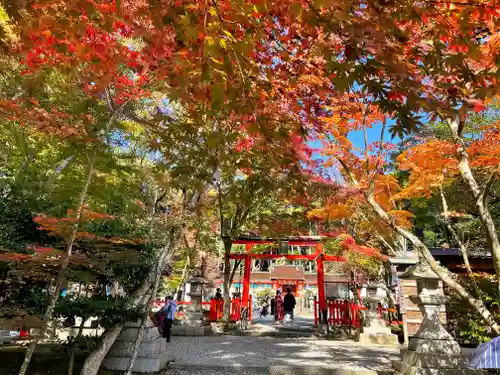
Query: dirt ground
{"points": [[44, 362]]}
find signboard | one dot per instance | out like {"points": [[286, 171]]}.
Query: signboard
{"points": [[337, 290], [288, 273]]}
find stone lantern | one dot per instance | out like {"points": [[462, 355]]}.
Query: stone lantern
{"points": [[432, 349], [194, 312], [375, 330]]}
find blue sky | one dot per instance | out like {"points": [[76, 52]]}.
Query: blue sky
{"points": [[357, 137], [358, 141]]}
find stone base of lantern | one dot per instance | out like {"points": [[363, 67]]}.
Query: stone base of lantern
{"points": [[413, 363], [153, 352], [433, 352], [193, 318], [186, 330], [192, 325], [379, 339], [378, 333], [405, 369]]}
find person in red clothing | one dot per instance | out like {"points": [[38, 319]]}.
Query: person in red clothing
{"points": [[279, 312], [23, 332]]}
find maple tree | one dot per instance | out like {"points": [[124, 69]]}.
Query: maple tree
{"points": [[86, 67], [439, 56], [99, 71], [365, 172], [434, 163]]}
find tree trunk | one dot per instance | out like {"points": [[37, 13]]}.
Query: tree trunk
{"points": [[54, 293], [163, 259], [94, 360], [73, 348], [227, 282], [187, 265], [443, 274], [479, 193]]}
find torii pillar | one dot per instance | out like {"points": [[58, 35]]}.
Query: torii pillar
{"points": [[320, 272], [246, 276]]}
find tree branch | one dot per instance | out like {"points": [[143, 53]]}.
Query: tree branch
{"points": [[221, 206], [109, 99], [459, 3], [487, 186]]}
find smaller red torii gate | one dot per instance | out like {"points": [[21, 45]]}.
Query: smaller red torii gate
{"points": [[319, 257]]}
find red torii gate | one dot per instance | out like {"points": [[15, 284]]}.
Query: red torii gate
{"points": [[318, 256]]}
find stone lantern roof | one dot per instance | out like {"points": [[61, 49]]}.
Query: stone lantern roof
{"points": [[197, 280], [421, 270]]}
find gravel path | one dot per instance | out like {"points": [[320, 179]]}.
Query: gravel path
{"points": [[266, 352]]}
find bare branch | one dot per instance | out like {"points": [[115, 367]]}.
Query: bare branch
{"points": [[463, 248], [487, 186], [221, 207], [109, 99], [386, 244], [159, 199], [348, 171]]}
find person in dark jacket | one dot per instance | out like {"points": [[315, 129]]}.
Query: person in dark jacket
{"points": [[289, 303], [265, 307]]}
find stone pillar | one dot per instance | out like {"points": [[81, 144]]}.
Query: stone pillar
{"points": [[153, 355], [432, 350], [375, 330]]}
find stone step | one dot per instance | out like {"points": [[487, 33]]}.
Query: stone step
{"points": [[184, 369]]}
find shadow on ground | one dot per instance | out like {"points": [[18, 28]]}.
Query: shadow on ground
{"points": [[267, 352]]}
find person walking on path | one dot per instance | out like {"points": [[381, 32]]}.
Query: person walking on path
{"points": [[278, 307], [265, 307], [289, 303], [166, 317]]}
